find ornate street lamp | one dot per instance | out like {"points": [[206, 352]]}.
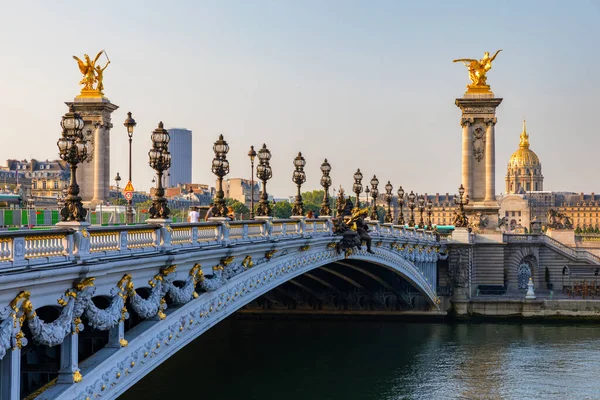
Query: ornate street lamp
{"points": [[374, 194], [357, 186], [460, 219], [411, 206], [429, 212], [325, 210], [220, 167], [129, 124], [299, 177], [264, 173], [160, 161], [340, 202], [401, 205], [388, 198], [73, 149], [117, 181], [421, 205], [252, 155]]}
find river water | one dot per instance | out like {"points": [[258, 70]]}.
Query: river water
{"points": [[347, 360]]}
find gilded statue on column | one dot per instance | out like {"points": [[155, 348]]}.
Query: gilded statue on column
{"points": [[93, 75], [478, 72]]}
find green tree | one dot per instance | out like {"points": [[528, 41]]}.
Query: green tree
{"points": [[380, 213], [312, 201], [119, 202], [282, 209], [239, 208]]}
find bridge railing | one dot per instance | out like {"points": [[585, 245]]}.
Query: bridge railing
{"points": [[23, 248]]}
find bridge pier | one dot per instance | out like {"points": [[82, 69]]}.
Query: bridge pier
{"points": [[10, 375], [69, 360]]}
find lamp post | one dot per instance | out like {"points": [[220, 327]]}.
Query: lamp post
{"points": [[298, 177], [117, 181], [429, 212], [411, 206], [388, 198], [159, 160], [374, 194], [460, 219], [252, 155], [264, 173], [401, 205], [325, 210], [357, 186], [129, 124], [421, 206], [220, 167], [73, 149], [340, 202]]}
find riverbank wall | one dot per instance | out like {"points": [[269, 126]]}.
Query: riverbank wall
{"points": [[528, 309]]}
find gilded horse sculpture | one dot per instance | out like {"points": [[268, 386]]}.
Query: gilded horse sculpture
{"points": [[478, 69]]}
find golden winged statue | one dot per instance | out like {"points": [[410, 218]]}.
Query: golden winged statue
{"points": [[478, 70], [92, 74]]}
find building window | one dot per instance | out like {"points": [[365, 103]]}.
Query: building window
{"points": [[519, 213], [513, 213], [44, 185], [35, 184], [55, 184]]}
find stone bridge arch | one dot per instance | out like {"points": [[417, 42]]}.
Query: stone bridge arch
{"points": [[109, 373]]}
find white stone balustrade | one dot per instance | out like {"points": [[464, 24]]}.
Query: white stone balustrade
{"points": [[21, 248]]}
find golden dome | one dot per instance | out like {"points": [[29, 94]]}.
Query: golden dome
{"points": [[524, 157]]}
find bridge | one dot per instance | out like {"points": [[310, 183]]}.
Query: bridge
{"points": [[137, 294]]}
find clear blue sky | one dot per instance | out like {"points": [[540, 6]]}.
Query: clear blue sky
{"points": [[367, 84]]}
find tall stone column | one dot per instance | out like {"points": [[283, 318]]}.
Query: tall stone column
{"points": [[93, 176], [490, 161], [98, 164], [467, 155], [478, 120]]}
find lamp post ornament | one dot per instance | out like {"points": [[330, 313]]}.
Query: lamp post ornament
{"points": [[401, 205], [264, 173], [411, 206], [160, 161], [73, 149], [421, 206], [220, 167], [326, 183], [429, 213], [374, 194], [357, 186], [129, 124], [252, 155], [340, 202], [388, 198], [299, 177], [460, 217]]}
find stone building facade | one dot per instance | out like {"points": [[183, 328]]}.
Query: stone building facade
{"points": [[45, 178]]}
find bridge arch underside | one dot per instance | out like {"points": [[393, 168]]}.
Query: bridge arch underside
{"points": [[389, 280], [346, 287]]}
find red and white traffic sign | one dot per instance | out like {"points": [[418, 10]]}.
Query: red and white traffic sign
{"points": [[128, 196]]}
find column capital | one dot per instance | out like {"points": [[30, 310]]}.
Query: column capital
{"points": [[466, 121], [490, 121]]}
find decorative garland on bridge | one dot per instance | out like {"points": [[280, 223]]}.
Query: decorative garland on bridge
{"points": [[78, 300]]}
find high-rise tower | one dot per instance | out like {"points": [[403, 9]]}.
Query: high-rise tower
{"points": [[180, 148]]}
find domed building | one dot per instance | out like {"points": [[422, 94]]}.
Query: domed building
{"points": [[524, 172]]}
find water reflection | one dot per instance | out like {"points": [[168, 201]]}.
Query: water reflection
{"points": [[331, 360]]}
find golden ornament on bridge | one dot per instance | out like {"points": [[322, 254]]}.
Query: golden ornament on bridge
{"points": [[93, 75], [477, 72]]}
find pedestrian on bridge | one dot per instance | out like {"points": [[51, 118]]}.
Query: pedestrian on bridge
{"points": [[193, 215]]}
